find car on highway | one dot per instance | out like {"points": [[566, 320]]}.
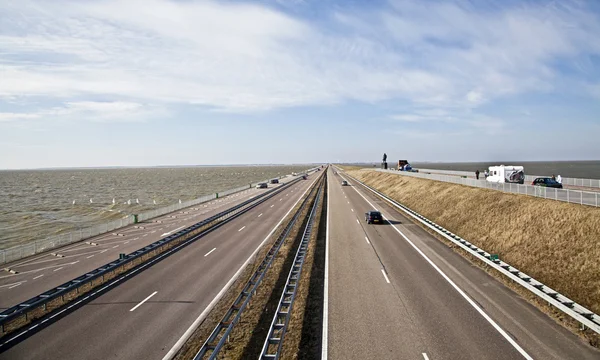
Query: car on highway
{"points": [[274, 181], [372, 217], [262, 186], [344, 183], [547, 182], [304, 177]]}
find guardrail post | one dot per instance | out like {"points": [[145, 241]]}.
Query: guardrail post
{"points": [[568, 197], [581, 197], [596, 199]]}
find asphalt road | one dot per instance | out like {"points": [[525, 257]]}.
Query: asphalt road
{"points": [[46, 271], [144, 317], [387, 301]]}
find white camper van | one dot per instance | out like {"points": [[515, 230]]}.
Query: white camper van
{"points": [[506, 174]]}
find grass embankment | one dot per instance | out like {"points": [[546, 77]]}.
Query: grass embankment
{"points": [[556, 243]]}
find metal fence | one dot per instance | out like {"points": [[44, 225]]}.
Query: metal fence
{"points": [[590, 198], [55, 241], [590, 183]]}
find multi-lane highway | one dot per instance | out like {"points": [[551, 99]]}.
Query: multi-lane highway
{"points": [[145, 316], [396, 292]]}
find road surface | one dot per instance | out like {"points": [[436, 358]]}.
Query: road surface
{"points": [[387, 301]]}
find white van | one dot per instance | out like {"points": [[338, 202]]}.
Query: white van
{"points": [[506, 174]]}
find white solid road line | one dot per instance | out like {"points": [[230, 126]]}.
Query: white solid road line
{"points": [[459, 290], [260, 215], [172, 231], [324, 345], [385, 276], [243, 227], [218, 297], [368, 242], [425, 356], [208, 253], [37, 277], [143, 301]]}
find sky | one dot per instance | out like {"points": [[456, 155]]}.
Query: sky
{"points": [[155, 82]]}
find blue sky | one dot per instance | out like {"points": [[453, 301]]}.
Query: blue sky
{"points": [[157, 82]]}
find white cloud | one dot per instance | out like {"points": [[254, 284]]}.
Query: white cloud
{"points": [[241, 57]]}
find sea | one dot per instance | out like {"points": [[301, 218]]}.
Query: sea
{"points": [[35, 204]]}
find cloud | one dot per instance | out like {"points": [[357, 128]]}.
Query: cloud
{"points": [[241, 57], [92, 111]]}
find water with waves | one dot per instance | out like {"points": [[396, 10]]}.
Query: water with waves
{"points": [[35, 204]]}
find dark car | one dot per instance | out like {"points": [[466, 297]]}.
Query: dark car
{"points": [[274, 181], [344, 183], [373, 217], [261, 186], [547, 182]]}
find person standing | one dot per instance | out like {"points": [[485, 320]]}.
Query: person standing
{"points": [[559, 179], [477, 174]]}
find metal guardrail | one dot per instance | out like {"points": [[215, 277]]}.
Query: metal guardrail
{"points": [[42, 245], [272, 347], [561, 302], [219, 336], [590, 198], [37, 307]]}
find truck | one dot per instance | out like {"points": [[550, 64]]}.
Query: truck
{"points": [[506, 174]]}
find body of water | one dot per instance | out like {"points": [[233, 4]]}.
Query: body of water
{"points": [[39, 203]]}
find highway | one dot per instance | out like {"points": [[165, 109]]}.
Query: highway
{"points": [[396, 292], [145, 316], [41, 272]]}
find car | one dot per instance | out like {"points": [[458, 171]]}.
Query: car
{"points": [[547, 182], [373, 216], [344, 183], [274, 181], [304, 177], [262, 186]]}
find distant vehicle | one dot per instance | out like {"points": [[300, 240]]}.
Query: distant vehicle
{"points": [[372, 217], [403, 165], [506, 174], [262, 186], [304, 177], [547, 182], [344, 183], [274, 181]]}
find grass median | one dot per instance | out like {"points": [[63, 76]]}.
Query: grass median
{"points": [[557, 243]]}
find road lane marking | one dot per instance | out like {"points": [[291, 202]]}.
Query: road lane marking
{"points": [[37, 277], [358, 222], [58, 268], [116, 246], [143, 301], [348, 202], [243, 227], [352, 210], [208, 253], [15, 285], [368, 242], [326, 286], [280, 199], [103, 251], [459, 290], [172, 231], [260, 215], [272, 205], [385, 276], [425, 356], [126, 242], [91, 256]]}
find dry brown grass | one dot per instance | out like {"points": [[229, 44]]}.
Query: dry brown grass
{"points": [[350, 167], [556, 243]]}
